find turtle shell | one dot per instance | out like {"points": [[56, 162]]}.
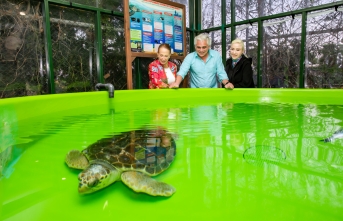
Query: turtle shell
{"points": [[148, 151]]}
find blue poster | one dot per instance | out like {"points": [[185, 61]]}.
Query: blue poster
{"points": [[169, 29], [153, 23], [136, 31], [158, 28], [178, 34], [147, 31]]}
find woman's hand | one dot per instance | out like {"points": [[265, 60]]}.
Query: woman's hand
{"points": [[164, 85], [174, 85]]}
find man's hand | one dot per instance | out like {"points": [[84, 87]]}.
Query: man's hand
{"points": [[229, 86]]}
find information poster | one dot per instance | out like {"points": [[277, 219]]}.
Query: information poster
{"points": [[153, 23]]}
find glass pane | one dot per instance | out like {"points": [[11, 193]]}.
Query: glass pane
{"points": [[279, 6], [22, 53], [113, 50], [115, 5], [216, 41], [188, 37], [248, 9], [248, 33], [184, 2], [73, 52], [319, 2], [281, 52], [211, 13], [257, 8], [324, 45]]}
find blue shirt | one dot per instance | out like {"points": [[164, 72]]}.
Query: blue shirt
{"points": [[203, 74]]}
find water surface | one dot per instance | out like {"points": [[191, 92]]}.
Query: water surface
{"points": [[289, 173]]}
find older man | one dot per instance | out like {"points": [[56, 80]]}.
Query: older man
{"points": [[205, 66]]}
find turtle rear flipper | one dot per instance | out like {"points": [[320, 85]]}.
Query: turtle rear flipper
{"points": [[75, 159], [141, 182]]}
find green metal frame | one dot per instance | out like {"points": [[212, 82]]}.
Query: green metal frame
{"points": [[233, 21], [195, 28], [302, 51], [191, 24], [138, 73], [98, 47], [259, 53], [223, 30]]}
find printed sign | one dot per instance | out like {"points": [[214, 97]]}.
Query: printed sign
{"points": [[153, 23]]}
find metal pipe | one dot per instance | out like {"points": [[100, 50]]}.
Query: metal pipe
{"points": [[107, 86]]}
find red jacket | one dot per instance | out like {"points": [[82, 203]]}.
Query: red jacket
{"points": [[157, 74]]}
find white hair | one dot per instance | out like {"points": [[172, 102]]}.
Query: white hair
{"points": [[203, 37]]}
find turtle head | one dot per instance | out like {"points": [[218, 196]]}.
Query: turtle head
{"points": [[96, 176]]}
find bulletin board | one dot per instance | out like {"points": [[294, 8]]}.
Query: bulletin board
{"points": [[149, 23]]}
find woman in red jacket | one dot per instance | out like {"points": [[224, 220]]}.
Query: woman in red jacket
{"points": [[162, 72]]}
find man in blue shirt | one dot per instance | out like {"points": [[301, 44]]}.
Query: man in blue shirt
{"points": [[205, 66]]}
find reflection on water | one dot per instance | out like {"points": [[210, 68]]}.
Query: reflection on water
{"points": [[297, 176], [263, 154], [332, 138]]}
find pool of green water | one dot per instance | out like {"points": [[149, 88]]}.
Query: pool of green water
{"points": [[234, 161]]}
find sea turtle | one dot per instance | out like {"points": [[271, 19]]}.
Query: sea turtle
{"points": [[132, 157]]}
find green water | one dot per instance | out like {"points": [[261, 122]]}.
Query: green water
{"points": [[297, 178]]}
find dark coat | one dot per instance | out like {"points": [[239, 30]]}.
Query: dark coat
{"points": [[241, 75]]}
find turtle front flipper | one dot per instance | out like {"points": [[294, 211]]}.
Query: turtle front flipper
{"points": [[75, 159], [141, 182]]}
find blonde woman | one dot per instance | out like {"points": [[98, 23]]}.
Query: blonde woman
{"points": [[238, 66]]}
